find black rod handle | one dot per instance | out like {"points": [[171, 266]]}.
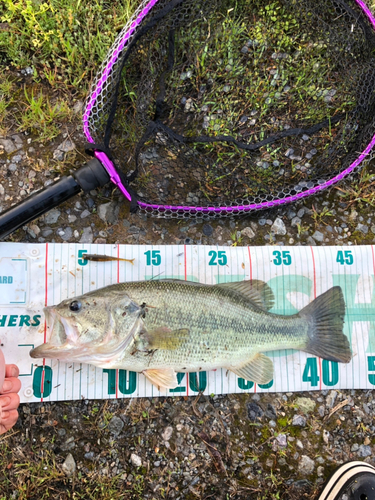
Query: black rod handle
{"points": [[37, 204], [88, 177]]}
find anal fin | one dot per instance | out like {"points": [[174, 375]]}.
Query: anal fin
{"points": [[162, 377], [259, 369]]}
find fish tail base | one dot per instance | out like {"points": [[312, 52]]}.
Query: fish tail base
{"points": [[325, 316]]}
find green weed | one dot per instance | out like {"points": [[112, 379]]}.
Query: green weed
{"points": [[42, 117]]}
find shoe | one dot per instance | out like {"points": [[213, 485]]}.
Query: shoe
{"points": [[351, 481]]}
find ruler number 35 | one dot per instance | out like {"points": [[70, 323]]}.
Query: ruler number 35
{"points": [[283, 257]]}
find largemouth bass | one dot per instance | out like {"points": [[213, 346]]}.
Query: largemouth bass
{"points": [[163, 327]]}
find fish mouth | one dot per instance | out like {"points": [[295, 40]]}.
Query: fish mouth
{"points": [[62, 337]]}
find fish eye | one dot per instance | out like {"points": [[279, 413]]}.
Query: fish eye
{"points": [[75, 306]]}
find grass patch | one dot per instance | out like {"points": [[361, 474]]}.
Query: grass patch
{"points": [[41, 117], [63, 40]]}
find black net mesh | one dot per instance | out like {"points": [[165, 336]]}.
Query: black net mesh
{"points": [[226, 104]]}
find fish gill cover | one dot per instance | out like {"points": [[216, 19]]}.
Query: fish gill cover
{"points": [[219, 108]]}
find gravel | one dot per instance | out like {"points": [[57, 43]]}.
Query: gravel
{"points": [[163, 436], [52, 216], [87, 235], [306, 465], [69, 465], [278, 227]]}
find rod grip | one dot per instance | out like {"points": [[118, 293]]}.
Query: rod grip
{"points": [[37, 204]]}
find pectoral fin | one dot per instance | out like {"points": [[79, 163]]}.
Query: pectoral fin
{"points": [[259, 369], [165, 378], [164, 338]]}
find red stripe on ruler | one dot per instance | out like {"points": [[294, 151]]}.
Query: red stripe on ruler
{"points": [[185, 270], [118, 281], [251, 277], [45, 322], [319, 359], [251, 266]]}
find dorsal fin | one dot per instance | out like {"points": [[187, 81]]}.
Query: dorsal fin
{"points": [[256, 291]]}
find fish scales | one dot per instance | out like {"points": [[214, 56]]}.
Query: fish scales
{"points": [[223, 325]]}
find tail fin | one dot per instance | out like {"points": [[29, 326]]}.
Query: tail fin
{"points": [[325, 316]]}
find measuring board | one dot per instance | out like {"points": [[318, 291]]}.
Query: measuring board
{"points": [[35, 275]]}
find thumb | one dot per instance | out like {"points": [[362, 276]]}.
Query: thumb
{"points": [[2, 369]]}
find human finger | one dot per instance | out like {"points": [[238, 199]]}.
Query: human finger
{"points": [[9, 402], [2, 368], [11, 371], [7, 420], [11, 384]]}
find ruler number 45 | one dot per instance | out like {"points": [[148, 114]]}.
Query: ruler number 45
{"points": [[345, 257]]}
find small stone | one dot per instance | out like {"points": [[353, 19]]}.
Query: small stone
{"points": [[108, 212], [299, 444], [296, 221], [12, 167], [87, 235], [301, 213], [318, 236], [306, 465], [254, 411], [2, 190], [278, 227], [355, 447], [306, 405], [69, 466], [305, 137], [135, 460], [78, 106], [362, 228], [326, 436], [207, 230], [248, 232], [311, 242], [89, 455], [331, 398], [47, 232], [8, 145], [67, 234], [289, 152], [299, 421], [84, 214], [364, 451], [262, 222], [72, 218], [321, 411], [320, 471], [167, 433], [76, 234], [115, 426], [281, 440], [52, 216]]}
